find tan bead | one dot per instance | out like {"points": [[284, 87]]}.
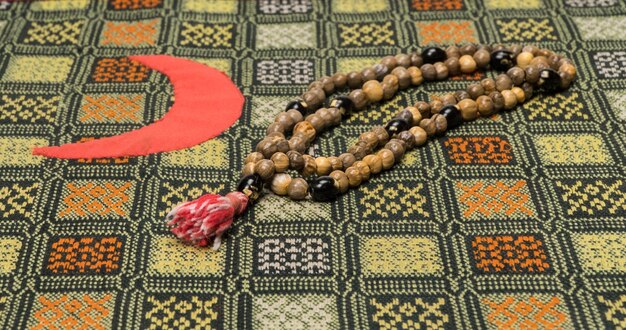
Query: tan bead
{"points": [[524, 59], [416, 75], [317, 121], [295, 115], [276, 127], [335, 163], [517, 75], [417, 115], [354, 176], [541, 62], [363, 168], [296, 161], [404, 60], [323, 166], [359, 99], [386, 158], [373, 91], [248, 169], [306, 129], [435, 106], [485, 105], [340, 80], [469, 109], [510, 99], [355, 79], [374, 162], [489, 85], [267, 147], [570, 69], [310, 167], [420, 135], [468, 64], [519, 94], [482, 58], [404, 78], [397, 147], [382, 134], [298, 189], [265, 169], [441, 124], [370, 138], [347, 159], [441, 71], [281, 162], [298, 143], [429, 72], [475, 90], [429, 126], [285, 120], [341, 180], [424, 108], [389, 90], [328, 85], [280, 183], [448, 99], [253, 157], [503, 82]]}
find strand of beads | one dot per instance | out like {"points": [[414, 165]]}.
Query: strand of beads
{"points": [[526, 68]]}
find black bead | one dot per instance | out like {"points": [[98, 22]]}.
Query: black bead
{"points": [[434, 54], [396, 126], [297, 105], [549, 80], [251, 185], [501, 60], [344, 102], [452, 115], [323, 189]]}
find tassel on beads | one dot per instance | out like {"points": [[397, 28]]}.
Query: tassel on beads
{"points": [[205, 219]]}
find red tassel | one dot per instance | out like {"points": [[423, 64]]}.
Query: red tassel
{"points": [[206, 218]]}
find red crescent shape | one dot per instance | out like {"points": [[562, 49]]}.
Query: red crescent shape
{"points": [[206, 103]]}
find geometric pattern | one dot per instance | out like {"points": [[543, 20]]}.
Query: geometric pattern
{"points": [[526, 30], [210, 154], [593, 197], [478, 150], [561, 106], [591, 3], [112, 108], [118, 70], [311, 311], [210, 6], [59, 5], [52, 33], [96, 198], [601, 28], [525, 311], [134, 4], [592, 249], [270, 72], [613, 310], [366, 34], [10, 247], [16, 151], [572, 149], [485, 199], [409, 313], [617, 100], [293, 256], [75, 310], [24, 68], [170, 256], [610, 64], [33, 109], [187, 311], [508, 4], [130, 34], [84, 255], [16, 199], [284, 6], [206, 35], [285, 36], [446, 32], [403, 200], [509, 254], [400, 255], [359, 6], [426, 5]]}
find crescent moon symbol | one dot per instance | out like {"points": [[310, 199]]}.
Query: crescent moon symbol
{"points": [[206, 103]]}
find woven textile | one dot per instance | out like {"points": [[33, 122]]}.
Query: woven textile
{"points": [[515, 221]]}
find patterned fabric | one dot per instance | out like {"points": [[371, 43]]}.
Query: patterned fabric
{"points": [[511, 222]]}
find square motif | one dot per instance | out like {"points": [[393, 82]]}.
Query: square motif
{"points": [[28, 108], [100, 199], [509, 254], [118, 70], [359, 6], [430, 5], [526, 29], [80, 310], [52, 33], [525, 311], [211, 6], [10, 247], [206, 35], [130, 34], [612, 308], [293, 256], [210, 154], [272, 208], [284, 72], [601, 27], [610, 64], [17, 199], [409, 312], [17, 151], [617, 100], [184, 311], [59, 5], [289, 311], [265, 109], [292, 35], [592, 197], [111, 108], [474, 150], [284, 6], [513, 4], [400, 256], [564, 106], [573, 149], [222, 64], [347, 64], [174, 193], [24, 68], [171, 257], [601, 253], [84, 255], [367, 34], [494, 199], [591, 3], [446, 32], [404, 200], [134, 4]]}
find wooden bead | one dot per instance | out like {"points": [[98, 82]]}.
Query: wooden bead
{"points": [[403, 77], [327, 85], [281, 162], [441, 124], [323, 166], [416, 59], [416, 75], [296, 162], [389, 90], [265, 169], [267, 147], [253, 157], [570, 69], [355, 79], [503, 82], [354, 176], [468, 49], [523, 59], [397, 148], [441, 71], [461, 95], [285, 120], [295, 115], [335, 163], [298, 189], [347, 159], [298, 143], [340, 80], [373, 91], [532, 74], [248, 169], [310, 166], [469, 109], [453, 51], [452, 63], [363, 168], [498, 100], [382, 134], [489, 85], [316, 121], [468, 64], [428, 72], [374, 162], [517, 75], [408, 139], [541, 62], [519, 94], [475, 90], [359, 99], [276, 127], [419, 134], [435, 106], [448, 99], [429, 126], [416, 115], [370, 138], [405, 115], [306, 129], [326, 116], [404, 60], [386, 158], [341, 181], [280, 183], [485, 105], [510, 99], [389, 61], [368, 74], [424, 108], [482, 58]]}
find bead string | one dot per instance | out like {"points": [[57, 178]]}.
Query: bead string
{"points": [[526, 67]]}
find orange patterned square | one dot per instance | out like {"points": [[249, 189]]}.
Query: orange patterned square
{"points": [[509, 254], [85, 255], [134, 4], [107, 70], [73, 310], [437, 4], [446, 32], [478, 150], [101, 199], [130, 34], [494, 198]]}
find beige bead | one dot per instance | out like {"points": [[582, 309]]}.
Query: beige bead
{"points": [[469, 109], [417, 115], [358, 98], [570, 69], [429, 126], [335, 163], [373, 91], [295, 115], [386, 157], [306, 129], [265, 169], [280, 183], [382, 134], [354, 176], [310, 167], [298, 189], [298, 142], [441, 71], [416, 75], [397, 147], [347, 159], [253, 157], [424, 108], [323, 166], [341, 180], [524, 59], [370, 138], [281, 162], [485, 105], [510, 99], [363, 168], [248, 169], [441, 124], [420, 135], [296, 161], [374, 162], [285, 120], [468, 64], [316, 121], [519, 94]]}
